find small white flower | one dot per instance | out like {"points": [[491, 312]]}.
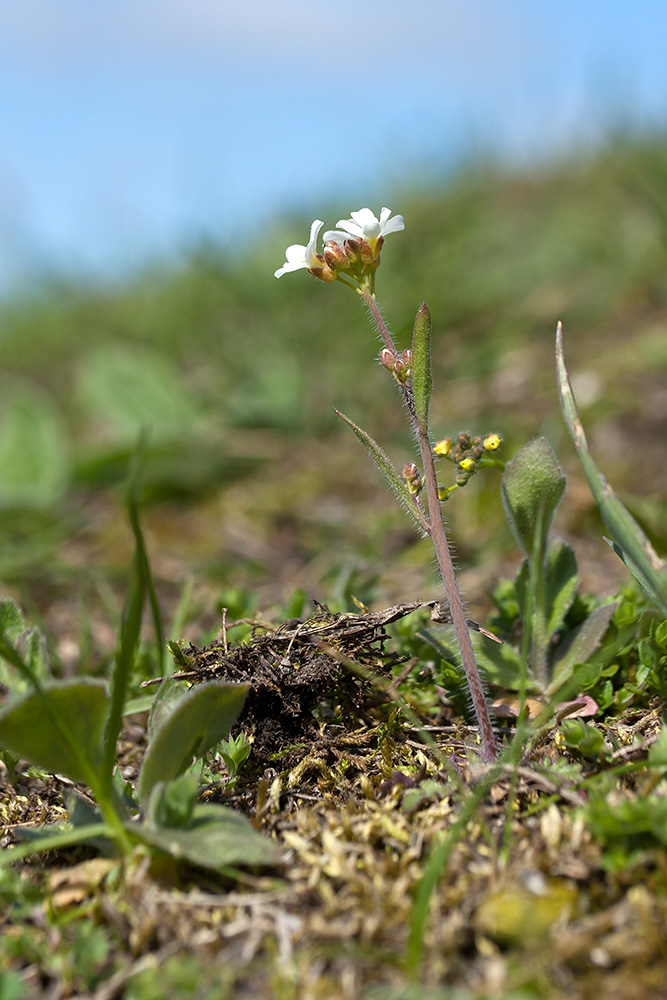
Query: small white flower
{"points": [[298, 256], [365, 226]]}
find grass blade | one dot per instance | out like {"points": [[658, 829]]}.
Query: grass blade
{"points": [[638, 554]]}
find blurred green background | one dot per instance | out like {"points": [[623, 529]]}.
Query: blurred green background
{"points": [[251, 481]]}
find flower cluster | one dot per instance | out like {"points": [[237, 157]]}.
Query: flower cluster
{"points": [[468, 454], [352, 250]]}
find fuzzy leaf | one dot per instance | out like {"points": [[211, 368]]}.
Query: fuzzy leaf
{"points": [[171, 803], [581, 646], [533, 484], [560, 582], [395, 482], [28, 728], [202, 718], [216, 838], [422, 378], [631, 543]]}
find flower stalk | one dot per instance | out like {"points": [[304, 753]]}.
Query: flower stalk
{"points": [[351, 255], [436, 531]]}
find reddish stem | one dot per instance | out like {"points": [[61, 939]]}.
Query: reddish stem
{"points": [[436, 530]]}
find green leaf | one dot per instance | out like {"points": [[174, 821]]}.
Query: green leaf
{"points": [[395, 482], [216, 838], [560, 583], [28, 727], [131, 388], [588, 740], [201, 719], [581, 646], [165, 701], [422, 378], [53, 838], [171, 802], [628, 539], [532, 486], [12, 622], [657, 755], [501, 665], [34, 450]]}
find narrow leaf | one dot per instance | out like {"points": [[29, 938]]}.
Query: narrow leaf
{"points": [[581, 647], [53, 838], [131, 627], [560, 584], [532, 486], [201, 719], [395, 482], [422, 378], [638, 553], [32, 728]]}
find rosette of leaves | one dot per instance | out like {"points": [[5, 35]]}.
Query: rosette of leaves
{"points": [[557, 631]]}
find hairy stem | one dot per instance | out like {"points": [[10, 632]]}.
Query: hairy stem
{"points": [[443, 555], [436, 530]]}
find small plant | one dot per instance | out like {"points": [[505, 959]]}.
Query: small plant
{"points": [[558, 631], [234, 753], [71, 727], [352, 255]]}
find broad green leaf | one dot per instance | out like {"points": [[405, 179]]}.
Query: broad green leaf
{"points": [[581, 647], [395, 482], [34, 449], [216, 838], [588, 740], [500, 665], [169, 694], [202, 718], [532, 486], [131, 388], [422, 377], [28, 728], [629, 540]]}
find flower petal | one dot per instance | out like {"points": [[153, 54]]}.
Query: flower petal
{"points": [[394, 225], [298, 255], [335, 236]]}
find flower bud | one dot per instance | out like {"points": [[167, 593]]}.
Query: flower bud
{"points": [[492, 442], [388, 359], [406, 361], [467, 464], [443, 448], [324, 273], [412, 478]]}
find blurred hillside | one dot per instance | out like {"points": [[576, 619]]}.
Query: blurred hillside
{"points": [[250, 479]]}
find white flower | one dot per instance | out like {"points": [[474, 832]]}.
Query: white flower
{"points": [[298, 256], [365, 226]]}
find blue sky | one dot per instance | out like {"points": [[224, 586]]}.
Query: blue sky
{"points": [[132, 128]]}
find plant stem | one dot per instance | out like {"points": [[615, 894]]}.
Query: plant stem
{"points": [[453, 594], [436, 530]]}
